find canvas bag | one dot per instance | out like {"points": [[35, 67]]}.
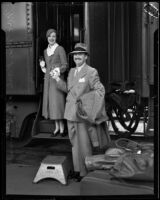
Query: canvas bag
{"points": [[133, 166]]}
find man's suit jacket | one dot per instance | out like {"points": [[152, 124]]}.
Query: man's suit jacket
{"points": [[85, 81]]}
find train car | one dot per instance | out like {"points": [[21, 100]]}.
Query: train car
{"points": [[122, 38]]}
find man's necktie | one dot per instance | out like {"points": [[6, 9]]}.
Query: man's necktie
{"points": [[76, 72]]}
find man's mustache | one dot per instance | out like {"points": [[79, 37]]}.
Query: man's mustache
{"points": [[77, 58]]}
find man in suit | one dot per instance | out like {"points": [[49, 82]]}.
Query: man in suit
{"points": [[81, 80]]}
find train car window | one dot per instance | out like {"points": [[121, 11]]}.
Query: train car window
{"points": [[76, 27]]}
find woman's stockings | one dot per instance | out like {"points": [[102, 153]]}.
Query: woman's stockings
{"points": [[59, 126]]}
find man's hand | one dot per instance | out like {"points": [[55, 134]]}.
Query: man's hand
{"points": [[57, 71]]}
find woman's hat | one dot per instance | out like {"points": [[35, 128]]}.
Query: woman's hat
{"points": [[80, 48]]}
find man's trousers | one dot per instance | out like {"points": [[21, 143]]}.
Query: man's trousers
{"points": [[81, 145]]}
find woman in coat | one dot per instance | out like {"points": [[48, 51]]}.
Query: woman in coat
{"points": [[53, 99]]}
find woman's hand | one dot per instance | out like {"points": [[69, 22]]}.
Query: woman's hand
{"points": [[42, 65]]}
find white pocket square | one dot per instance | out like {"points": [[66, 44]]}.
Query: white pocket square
{"points": [[82, 80]]}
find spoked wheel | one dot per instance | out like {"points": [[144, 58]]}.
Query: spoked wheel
{"points": [[128, 118]]}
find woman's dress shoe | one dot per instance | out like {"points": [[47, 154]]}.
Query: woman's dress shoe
{"points": [[63, 134], [54, 134]]}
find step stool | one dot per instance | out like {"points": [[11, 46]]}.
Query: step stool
{"points": [[56, 167]]}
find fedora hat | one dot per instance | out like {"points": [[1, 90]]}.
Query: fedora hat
{"points": [[80, 48]]}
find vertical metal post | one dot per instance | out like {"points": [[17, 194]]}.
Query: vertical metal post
{"points": [[86, 25], [109, 43]]}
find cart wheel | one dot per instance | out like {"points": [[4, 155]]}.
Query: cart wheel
{"points": [[128, 119]]}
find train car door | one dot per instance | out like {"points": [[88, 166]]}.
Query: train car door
{"points": [[67, 19]]}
